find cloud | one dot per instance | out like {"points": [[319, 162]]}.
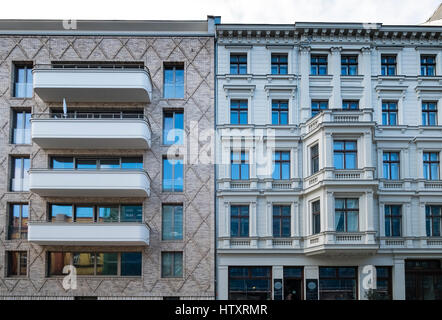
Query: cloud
{"points": [[232, 11]]}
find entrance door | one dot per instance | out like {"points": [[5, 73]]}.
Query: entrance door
{"points": [[292, 289]]}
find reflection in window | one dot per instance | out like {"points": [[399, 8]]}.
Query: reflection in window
{"points": [[173, 127], [18, 221], [172, 222], [17, 263], [239, 221], [174, 81], [23, 81], [393, 220], [173, 175], [21, 127], [337, 283], [84, 214], [391, 165], [250, 283], [346, 215], [99, 213], [171, 264], [344, 154], [20, 173]]}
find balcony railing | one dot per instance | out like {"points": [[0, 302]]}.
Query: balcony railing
{"points": [[90, 183], [107, 233], [338, 116], [104, 130], [354, 242], [92, 82]]}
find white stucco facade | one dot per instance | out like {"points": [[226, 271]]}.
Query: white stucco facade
{"points": [[408, 137]]}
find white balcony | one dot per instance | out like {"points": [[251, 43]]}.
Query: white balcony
{"points": [[92, 84], [90, 131], [336, 243], [89, 183], [94, 234]]}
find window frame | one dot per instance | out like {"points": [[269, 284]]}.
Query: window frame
{"points": [[317, 110], [346, 210], [424, 65], [24, 174], [173, 255], [237, 106], [389, 163], [314, 159], [345, 152], [22, 235], [278, 107], [426, 113], [428, 164], [174, 66], [238, 62], [280, 217], [389, 217], [25, 137], [175, 161], [174, 208], [240, 218], [388, 111], [278, 63], [20, 254], [346, 65], [316, 64], [430, 218], [240, 163], [385, 66], [178, 136], [349, 103], [281, 163], [26, 65], [316, 214], [250, 277]]}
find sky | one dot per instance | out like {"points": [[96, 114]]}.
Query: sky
{"points": [[231, 11]]}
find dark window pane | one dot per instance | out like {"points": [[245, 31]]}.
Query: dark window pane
{"points": [[131, 264]]}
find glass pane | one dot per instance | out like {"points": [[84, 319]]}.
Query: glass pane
{"points": [[352, 221], [62, 163], [338, 160], [178, 186], [244, 232], [84, 263], [178, 223], [178, 264], [109, 164], [350, 161], [61, 213], [166, 264], [339, 221], [107, 264], [132, 163], [86, 164], [108, 214], [84, 214], [167, 223], [131, 264], [57, 261], [131, 213]]}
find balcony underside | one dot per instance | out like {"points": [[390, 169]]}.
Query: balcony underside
{"points": [[93, 234], [91, 134], [93, 183], [344, 250]]}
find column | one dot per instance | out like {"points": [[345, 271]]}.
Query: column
{"points": [[225, 226], [382, 219], [365, 69], [399, 279], [335, 70], [223, 282], [294, 219], [328, 212], [369, 212], [269, 219], [304, 89], [293, 163], [253, 219]]}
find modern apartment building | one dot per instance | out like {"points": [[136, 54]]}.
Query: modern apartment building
{"points": [[89, 111], [329, 147]]}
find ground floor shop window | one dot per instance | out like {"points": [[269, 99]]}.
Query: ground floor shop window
{"points": [[293, 283], [423, 279], [338, 283], [250, 283]]}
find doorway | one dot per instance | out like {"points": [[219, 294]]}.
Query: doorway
{"points": [[293, 283]]}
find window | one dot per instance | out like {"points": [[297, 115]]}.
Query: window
{"points": [[316, 217], [281, 165], [238, 112], [17, 263], [239, 221], [391, 165], [346, 215], [238, 63], [171, 264], [431, 165], [389, 113], [314, 158], [393, 220], [280, 112], [318, 65], [429, 113], [279, 64], [20, 174], [281, 221], [95, 213], [250, 283], [337, 283], [345, 154], [174, 81], [96, 263], [428, 65], [126, 163], [173, 127], [172, 222], [318, 106], [239, 165], [350, 105], [23, 80], [173, 175], [384, 283], [433, 220], [21, 127], [18, 221], [388, 65], [349, 65]]}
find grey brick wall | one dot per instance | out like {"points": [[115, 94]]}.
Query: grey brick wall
{"points": [[197, 53]]}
